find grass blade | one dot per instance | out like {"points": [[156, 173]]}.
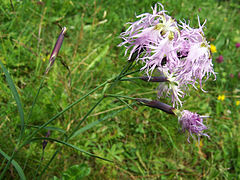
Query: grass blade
{"points": [[16, 97], [124, 102], [51, 128], [64, 110], [170, 137], [70, 145], [89, 126], [68, 137], [101, 55], [16, 166]]}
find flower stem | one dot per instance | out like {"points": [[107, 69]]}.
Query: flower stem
{"points": [[69, 137], [64, 110], [35, 98], [120, 96], [28, 139], [112, 81], [84, 118], [132, 72], [39, 165]]}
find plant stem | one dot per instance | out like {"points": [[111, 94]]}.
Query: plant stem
{"points": [[45, 124], [75, 129], [120, 96], [125, 69], [132, 72], [122, 74], [35, 98], [67, 108], [115, 80], [112, 81], [41, 160], [130, 78], [85, 117], [49, 162]]}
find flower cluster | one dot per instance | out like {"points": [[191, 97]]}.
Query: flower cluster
{"points": [[179, 53], [176, 50]]}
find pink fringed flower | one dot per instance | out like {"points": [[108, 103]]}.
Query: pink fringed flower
{"points": [[171, 88], [153, 32], [193, 123], [179, 52], [197, 60]]}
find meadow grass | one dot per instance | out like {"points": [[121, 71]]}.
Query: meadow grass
{"points": [[144, 143]]}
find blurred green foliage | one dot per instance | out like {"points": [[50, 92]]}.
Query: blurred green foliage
{"points": [[144, 143]]}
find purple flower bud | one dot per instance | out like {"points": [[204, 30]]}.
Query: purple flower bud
{"points": [[237, 45], [193, 123], [231, 75], [57, 45], [219, 59], [56, 48], [157, 104], [239, 75], [154, 79]]}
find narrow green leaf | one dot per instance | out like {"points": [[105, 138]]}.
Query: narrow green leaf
{"points": [[16, 166], [51, 128], [89, 126], [64, 110], [124, 102], [16, 97], [69, 145]]}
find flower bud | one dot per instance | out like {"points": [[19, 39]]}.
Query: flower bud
{"points": [[157, 104], [237, 45]]}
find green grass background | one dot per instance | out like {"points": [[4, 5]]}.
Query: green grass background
{"points": [[145, 143]]}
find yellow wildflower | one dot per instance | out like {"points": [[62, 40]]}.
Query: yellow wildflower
{"points": [[45, 58], [237, 103], [221, 97], [213, 48]]}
